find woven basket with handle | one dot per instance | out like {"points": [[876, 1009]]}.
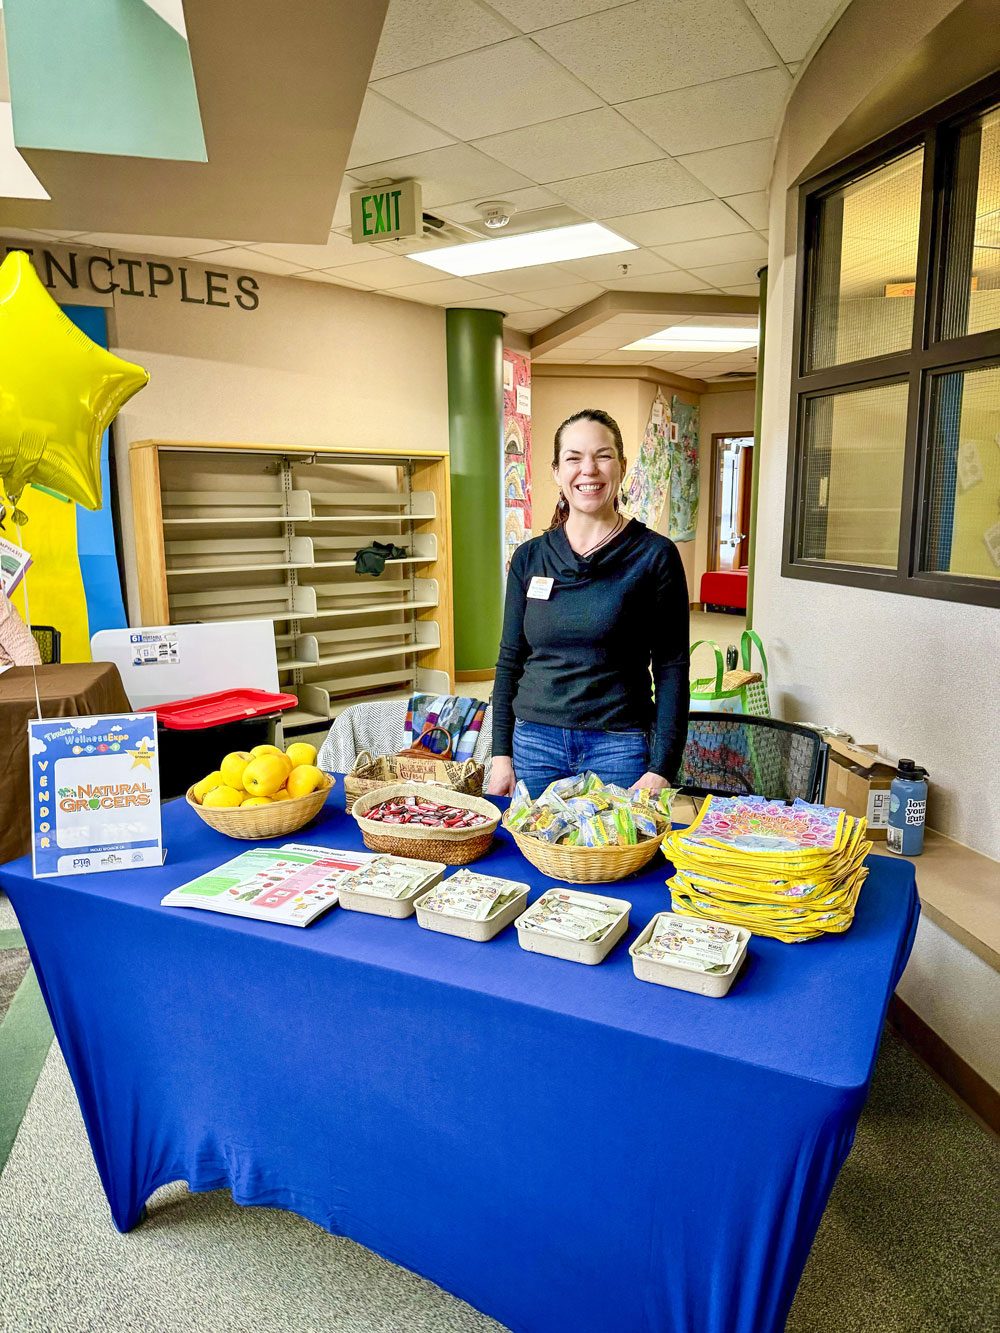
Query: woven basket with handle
{"points": [[369, 774], [585, 865], [455, 847], [263, 821]]}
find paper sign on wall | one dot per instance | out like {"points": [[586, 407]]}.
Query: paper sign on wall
{"points": [[523, 400], [95, 794]]}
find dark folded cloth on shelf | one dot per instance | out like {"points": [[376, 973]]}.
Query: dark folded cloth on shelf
{"points": [[371, 559]]}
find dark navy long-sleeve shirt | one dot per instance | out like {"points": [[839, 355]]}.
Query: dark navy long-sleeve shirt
{"points": [[582, 657]]}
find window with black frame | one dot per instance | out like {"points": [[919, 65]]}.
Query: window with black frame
{"points": [[894, 460]]}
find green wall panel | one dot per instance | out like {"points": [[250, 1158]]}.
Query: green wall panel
{"points": [[101, 76]]}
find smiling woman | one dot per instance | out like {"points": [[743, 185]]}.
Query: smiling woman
{"points": [[594, 606]]}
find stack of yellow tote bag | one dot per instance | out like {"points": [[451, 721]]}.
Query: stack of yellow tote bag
{"points": [[793, 872]]}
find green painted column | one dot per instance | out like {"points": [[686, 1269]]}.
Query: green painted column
{"points": [[755, 480], [475, 426]]}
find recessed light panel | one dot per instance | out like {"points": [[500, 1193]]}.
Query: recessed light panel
{"points": [[696, 338], [525, 250]]}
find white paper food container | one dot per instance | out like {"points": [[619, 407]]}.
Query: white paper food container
{"points": [[480, 931], [376, 905], [576, 951], [712, 984]]}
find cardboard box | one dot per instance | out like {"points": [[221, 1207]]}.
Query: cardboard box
{"points": [[858, 780]]}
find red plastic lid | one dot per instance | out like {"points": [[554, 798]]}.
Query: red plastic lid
{"points": [[214, 710]]}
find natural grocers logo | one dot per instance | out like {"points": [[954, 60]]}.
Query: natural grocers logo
{"points": [[119, 795]]}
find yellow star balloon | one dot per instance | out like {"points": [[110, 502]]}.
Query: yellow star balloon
{"points": [[59, 392]]}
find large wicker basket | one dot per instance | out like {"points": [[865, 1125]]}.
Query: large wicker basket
{"points": [[586, 865], [263, 821], [369, 774], [455, 847]]}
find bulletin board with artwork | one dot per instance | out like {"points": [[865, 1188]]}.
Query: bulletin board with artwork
{"points": [[516, 455]]}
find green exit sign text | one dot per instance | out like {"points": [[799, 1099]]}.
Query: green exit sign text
{"points": [[386, 212]]}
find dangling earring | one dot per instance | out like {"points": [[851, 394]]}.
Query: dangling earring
{"points": [[563, 503]]}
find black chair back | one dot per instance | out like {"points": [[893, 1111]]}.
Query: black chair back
{"points": [[49, 642], [735, 754]]}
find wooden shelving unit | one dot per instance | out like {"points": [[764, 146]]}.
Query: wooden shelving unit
{"points": [[268, 532]]}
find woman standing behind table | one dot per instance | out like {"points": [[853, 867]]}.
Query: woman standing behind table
{"points": [[592, 605]]}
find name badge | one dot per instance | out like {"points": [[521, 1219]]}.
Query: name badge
{"points": [[540, 588]]}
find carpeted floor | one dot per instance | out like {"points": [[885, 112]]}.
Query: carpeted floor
{"points": [[909, 1242]]}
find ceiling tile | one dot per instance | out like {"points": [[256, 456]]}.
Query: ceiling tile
{"points": [[417, 32], [715, 250], [530, 321], [251, 259], [568, 297], [650, 185], [577, 145], [487, 92], [509, 304], [687, 222], [448, 175], [659, 282], [386, 131], [711, 115], [793, 28], [385, 273], [733, 170], [728, 275], [559, 357], [656, 45], [752, 206], [342, 212], [337, 251], [523, 200], [528, 280], [175, 246], [743, 289], [529, 15], [319, 275], [602, 267], [445, 292]]}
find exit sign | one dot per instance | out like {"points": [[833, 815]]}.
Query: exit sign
{"points": [[386, 212]]}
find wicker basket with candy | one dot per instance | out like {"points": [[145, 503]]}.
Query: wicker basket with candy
{"points": [[584, 832], [418, 819]]}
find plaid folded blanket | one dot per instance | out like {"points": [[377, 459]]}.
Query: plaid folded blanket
{"points": [[461, 718]]}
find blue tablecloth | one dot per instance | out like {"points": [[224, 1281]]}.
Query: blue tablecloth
{"points": [[565, 1147]]}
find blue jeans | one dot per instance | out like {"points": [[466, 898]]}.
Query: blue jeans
{"points": [[542, 754]]}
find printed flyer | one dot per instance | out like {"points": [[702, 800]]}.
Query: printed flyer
{"points": [[95, 794]]}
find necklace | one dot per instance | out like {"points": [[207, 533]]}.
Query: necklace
{"points": [[619, 524]]}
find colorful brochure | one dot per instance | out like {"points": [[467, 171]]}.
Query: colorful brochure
{"points": [[292, 886]]}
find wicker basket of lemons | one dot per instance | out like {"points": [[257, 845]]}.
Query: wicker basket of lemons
{"points": [[262, 793]]}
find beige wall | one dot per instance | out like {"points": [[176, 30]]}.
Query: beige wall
{"points": [[629, 401], [313, 363], [916, 675]]}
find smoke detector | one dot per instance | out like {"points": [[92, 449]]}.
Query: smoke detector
{"points": [[495, 213]]}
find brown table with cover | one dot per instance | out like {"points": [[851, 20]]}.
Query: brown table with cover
{"points": [[66, 689]]}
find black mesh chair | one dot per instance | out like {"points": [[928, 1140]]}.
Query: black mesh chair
{"points": [[49, 642], [734, 754]]}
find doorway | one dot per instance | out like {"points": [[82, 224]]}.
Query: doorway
{"points": [[732, 476]]}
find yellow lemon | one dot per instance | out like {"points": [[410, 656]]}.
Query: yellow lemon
{"points": [[232, 768], [304, 779], [265, 774], [301, 753], [255, 800], [223, 797], [201, 789], [280, 795]]}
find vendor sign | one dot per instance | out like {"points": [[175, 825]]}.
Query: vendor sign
{"points": [[95, 794]]}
